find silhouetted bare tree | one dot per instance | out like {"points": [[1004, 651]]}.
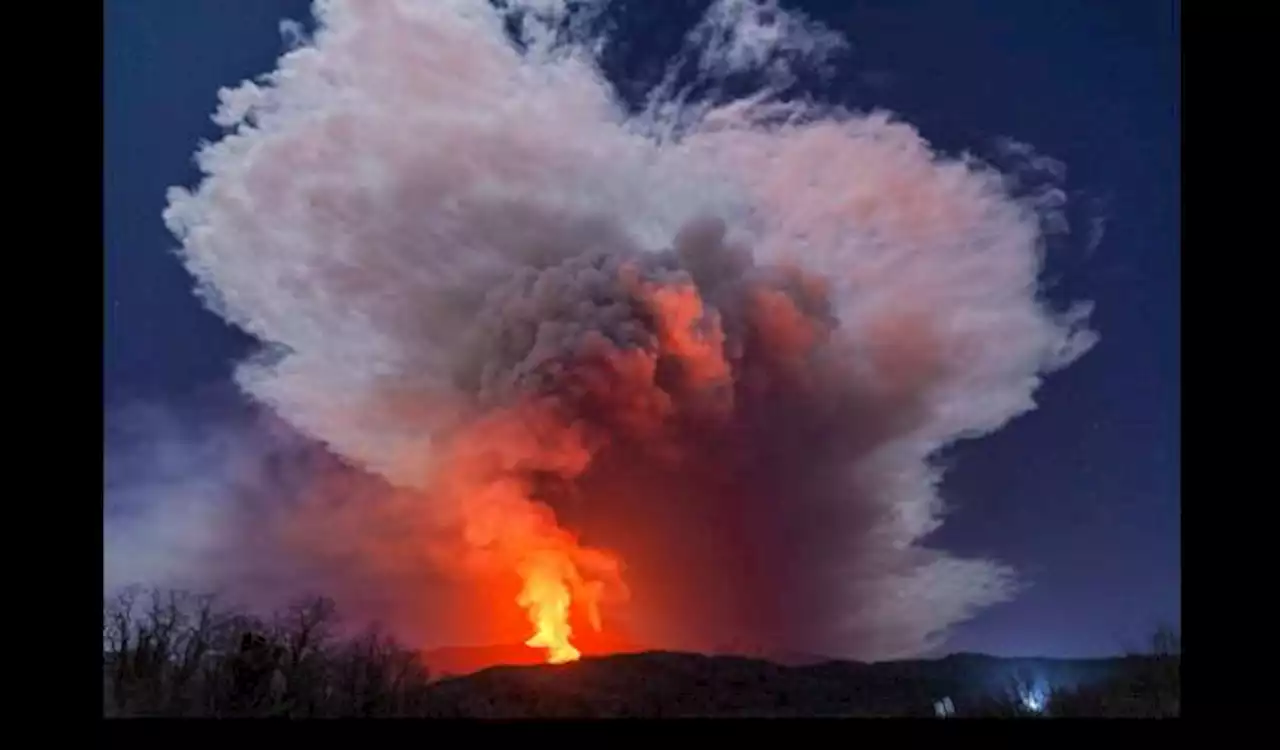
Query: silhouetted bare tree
{"points": [[175, 654]]}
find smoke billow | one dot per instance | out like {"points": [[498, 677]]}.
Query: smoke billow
{"points": [[677, 374]]}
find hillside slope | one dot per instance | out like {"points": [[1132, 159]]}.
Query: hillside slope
{"points": [[664, 684]]}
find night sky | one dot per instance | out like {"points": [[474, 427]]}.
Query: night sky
{"points": [[1083, 494]]}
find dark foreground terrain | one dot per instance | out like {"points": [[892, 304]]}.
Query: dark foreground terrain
{"points": [[173, 655], [658, 684]]}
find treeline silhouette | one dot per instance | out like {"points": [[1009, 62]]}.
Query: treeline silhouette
{"points": [[171, 653], [177, 654]]}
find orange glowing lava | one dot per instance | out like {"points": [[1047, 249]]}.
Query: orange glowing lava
{"points": [[547, 598], [508, 528], [553, 585]]}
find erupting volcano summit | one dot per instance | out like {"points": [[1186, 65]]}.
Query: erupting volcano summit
{"points": [[670, 370]]}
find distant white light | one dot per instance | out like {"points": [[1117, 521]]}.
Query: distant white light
{"points": [[944, 708], [1033, 699]]}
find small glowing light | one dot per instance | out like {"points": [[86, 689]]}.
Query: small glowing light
{"points": [[1033, 700], [944, 708]]}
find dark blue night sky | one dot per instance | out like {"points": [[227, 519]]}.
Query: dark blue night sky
{"points": [[1082, 494]]}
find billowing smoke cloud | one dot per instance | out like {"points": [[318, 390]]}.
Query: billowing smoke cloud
{"points": [[680, 370]]}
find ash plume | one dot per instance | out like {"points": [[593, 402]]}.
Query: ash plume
{"points": [[682, 370]]}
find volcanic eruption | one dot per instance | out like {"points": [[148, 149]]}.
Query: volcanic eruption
{"points": [[673, 371]]}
